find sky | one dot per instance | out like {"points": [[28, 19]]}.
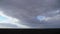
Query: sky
{"points": [[9, 22], [31, 12], [3, 20]]}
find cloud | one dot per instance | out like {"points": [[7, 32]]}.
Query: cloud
{"points": [[5, 20], [27, 10]]}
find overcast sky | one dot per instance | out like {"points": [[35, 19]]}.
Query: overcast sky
{"points": [[28, 10]]}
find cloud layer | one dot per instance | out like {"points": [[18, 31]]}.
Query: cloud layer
{"points": [[27, 11]]}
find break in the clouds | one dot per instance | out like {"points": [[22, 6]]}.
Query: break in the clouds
{"points": [[9, 22], [28, 10]]}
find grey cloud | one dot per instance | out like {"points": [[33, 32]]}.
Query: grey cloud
{"points": [[27, 10]]}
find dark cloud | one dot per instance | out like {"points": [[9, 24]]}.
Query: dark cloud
{"points": [[27, 10]]}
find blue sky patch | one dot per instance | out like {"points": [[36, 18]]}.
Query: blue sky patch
{"points": [[2, 18], [40, 17]]}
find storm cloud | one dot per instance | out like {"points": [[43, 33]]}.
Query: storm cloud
{"points": [[27, 11]]}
